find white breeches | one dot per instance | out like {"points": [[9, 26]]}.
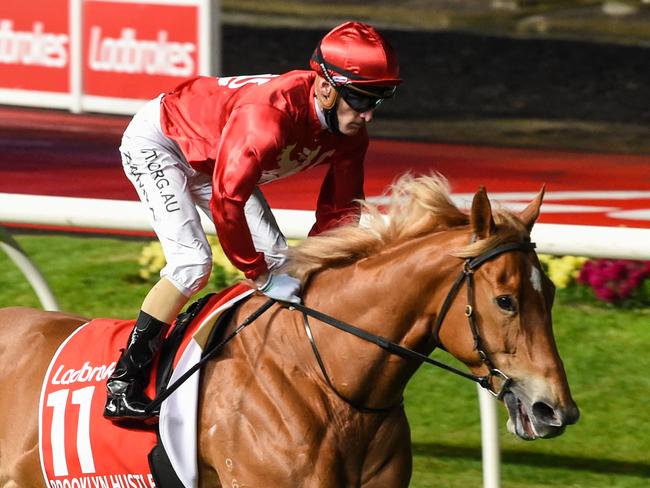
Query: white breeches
{"points": [[172, 190]]}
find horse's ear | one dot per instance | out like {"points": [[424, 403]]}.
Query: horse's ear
{"points": [[481, 218], [529, 215]]}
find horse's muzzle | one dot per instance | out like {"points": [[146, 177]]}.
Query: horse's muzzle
{"points": [[538, 419]]}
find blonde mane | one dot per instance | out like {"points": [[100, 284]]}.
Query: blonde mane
{"points": [[416, 206]]}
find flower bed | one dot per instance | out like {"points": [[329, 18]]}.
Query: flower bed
{"points": [[619, 282], [616, 280]]}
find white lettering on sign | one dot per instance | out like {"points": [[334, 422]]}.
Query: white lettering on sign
{"points": [[32, 48], [128, 54], [86, 374]]}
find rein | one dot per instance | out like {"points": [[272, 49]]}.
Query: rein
{"points": [[466, 276]]}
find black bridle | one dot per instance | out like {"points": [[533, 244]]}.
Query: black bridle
{"points": [[470, 265]]}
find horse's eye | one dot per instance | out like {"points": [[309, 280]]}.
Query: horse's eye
{"points": [[506, 302]]}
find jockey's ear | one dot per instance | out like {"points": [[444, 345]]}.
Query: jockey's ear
{"points": [[529, 215], [481, 217], [325, 93]]}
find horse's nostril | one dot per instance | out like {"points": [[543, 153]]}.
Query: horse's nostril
{"points": [[546, 414], [572, 416]]}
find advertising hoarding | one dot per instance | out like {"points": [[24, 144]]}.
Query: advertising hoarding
{"points": [[101, 55], [34, 45]]}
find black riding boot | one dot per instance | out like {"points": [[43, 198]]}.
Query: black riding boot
{"points": [[125, 387]]}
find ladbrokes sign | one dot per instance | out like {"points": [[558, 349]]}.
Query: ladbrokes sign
{"points": [[130, 49], [129, 54], [35, 45]]}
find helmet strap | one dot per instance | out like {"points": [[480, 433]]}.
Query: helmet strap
{"points": [[332, 119]]}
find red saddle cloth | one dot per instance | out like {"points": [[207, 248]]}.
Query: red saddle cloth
{"points": [[78, 447]]}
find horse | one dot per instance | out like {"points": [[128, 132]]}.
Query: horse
{"points": [[294, 402]]}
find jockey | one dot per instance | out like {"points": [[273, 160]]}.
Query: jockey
{"points": [[210, 143]]}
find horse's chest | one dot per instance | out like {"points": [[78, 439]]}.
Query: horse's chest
{"points": [[272, 442]]}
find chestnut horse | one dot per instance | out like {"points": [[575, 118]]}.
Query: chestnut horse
{"points": [[279, 410]]}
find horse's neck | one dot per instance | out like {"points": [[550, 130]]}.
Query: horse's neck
{"points": [[394, 295]]}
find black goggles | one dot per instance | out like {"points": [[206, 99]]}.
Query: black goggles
{"points": [[364, 99]]}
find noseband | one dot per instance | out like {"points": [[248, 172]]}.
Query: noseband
{"points": [[470, 265]]}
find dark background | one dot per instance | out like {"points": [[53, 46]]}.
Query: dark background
{"points": [[462, 75], [568, 74]]}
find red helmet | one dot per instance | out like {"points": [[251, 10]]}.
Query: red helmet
{"points": [[356, 53]]}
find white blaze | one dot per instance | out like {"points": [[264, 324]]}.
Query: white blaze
{"points": [[536, 278]]}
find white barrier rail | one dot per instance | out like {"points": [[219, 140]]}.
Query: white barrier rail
{"points": [[31, 272], [557, 239], [66, 212]]}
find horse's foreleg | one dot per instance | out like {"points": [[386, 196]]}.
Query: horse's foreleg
{"points": [[389, 458]]}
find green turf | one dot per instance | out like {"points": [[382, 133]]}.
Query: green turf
{"points": [[605, 351]]}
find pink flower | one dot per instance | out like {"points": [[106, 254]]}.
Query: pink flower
{"points": [[614, 280], [606, 294]]}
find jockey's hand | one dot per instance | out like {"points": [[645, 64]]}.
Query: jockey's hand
{"points": [[281, 287]]}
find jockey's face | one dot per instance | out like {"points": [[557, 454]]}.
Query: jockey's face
{"points": [[351, 121]]}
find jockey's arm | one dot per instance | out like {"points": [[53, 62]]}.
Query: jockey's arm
{"points": [[250, 140], [342, 185]]}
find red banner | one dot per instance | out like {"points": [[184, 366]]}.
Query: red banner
{"points": [[35, 45], [138, 50]]}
